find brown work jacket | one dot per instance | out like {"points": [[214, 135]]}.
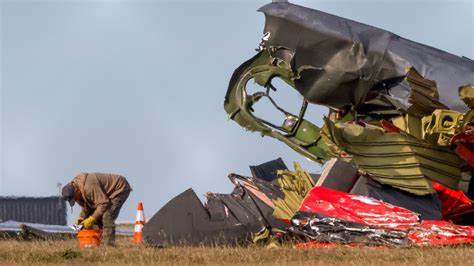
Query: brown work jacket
{"points": [[97, 190]]}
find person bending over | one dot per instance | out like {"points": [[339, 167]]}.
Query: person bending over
{"points": [[101, 197]]}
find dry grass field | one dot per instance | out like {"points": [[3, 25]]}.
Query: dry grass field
{"points": [[68, 252]]}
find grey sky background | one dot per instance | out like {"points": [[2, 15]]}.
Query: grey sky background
{"points": [[137, 88]]}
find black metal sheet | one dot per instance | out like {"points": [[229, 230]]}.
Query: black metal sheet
{"points": [[338, 175], [268, 171], [429, 206], [348, 59], [244, 210], [185, 221], [267, 213]]}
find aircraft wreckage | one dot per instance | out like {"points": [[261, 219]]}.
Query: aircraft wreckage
{"points": [[397, 142]]}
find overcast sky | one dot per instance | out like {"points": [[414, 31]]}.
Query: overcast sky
{"points": [[137, 88]]}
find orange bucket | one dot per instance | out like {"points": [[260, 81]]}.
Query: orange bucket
{"points": [[89, 238]]}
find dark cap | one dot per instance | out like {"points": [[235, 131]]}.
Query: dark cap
{"points": [[68, 193]]}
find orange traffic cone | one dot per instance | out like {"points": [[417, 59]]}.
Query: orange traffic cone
{"points": [[139, 223]]}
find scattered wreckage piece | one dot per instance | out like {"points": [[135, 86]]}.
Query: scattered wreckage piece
{"points": [[31, 233], [359, 209], [441, 233], [343, 176], [396, 158], [268, 171], [263, 194], [338, 175], [283, 194], [242, 206], [323, 229], [455, 205], [428, 206], [330, 216], [294, 185], [185, 221]]}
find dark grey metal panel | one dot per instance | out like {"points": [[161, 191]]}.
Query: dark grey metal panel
{"points": [[268, 171], [45, 210], [342, 60]]}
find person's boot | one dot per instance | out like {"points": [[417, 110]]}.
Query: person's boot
{"points": [[108, 236]]}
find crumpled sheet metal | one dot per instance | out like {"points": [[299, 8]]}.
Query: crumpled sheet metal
{"points": [[242, 207], [396, 158], [428, 206], [294, 185], [284, 194], [334, 230], [339, 60], [359, 209], [264, 194], [185, 221], [258, 195], [454, 202], [337, 217], [441, 233]]}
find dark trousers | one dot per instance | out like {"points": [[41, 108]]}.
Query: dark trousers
{"points": [[109, 217]]}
